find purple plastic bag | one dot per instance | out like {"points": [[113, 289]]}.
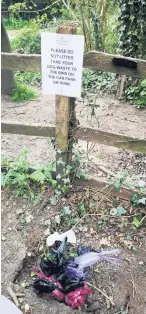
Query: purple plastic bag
{"points": [[89, 259], [77, 273]]}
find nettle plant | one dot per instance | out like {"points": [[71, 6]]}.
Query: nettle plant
{"points": [[24, 179]]}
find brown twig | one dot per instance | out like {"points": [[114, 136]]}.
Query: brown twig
{"points": [[99, 215], [82, 218], [13, 296], [105, 295], [142, 220], [105, 197], [134, 288], [106, 171], [20, 295]]}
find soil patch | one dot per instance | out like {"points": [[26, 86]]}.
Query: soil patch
{"points": [[23, 242]]}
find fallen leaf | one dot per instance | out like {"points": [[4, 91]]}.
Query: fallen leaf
{"points": [[47, 222], [19, 211], [57, 219], [113, 211], [104, 241], [92, 231], [26, 308], [41, 248], [141, 183], [23, 285], [47, 232], [128, 244], [29, 218]]}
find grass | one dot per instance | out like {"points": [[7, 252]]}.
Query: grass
{"points": [[23, 93]]}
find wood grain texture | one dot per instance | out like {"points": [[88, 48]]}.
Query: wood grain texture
{"points": [[21, 62], [103, 62], [63, 117], [26, 129], [111, 139]]}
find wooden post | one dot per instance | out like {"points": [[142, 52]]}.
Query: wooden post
{"points": [[64, 107], [7, 77]]}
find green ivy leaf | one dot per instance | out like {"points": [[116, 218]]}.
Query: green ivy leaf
{"points": [[66, 210], [73, 254], [60, 161], [142, 201], [75, 220], [82, 206], [91, 204], [129, 238], [120, 211], [32, 274], [53, 200], [136, 222]]}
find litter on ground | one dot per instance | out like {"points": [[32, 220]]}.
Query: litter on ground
{"points": [[64, 278]]}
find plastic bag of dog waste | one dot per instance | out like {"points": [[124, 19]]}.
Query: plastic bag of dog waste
{"points": [[89, 259], [71, 237], [84, 261]]}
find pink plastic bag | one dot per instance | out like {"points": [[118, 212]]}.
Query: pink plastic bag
{"points": [[77, 298]]}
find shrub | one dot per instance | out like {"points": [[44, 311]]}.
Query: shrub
{"points": [[23, 93], [15, 23], [28, 41], [98, 81], [136, 94], [30, 78]]}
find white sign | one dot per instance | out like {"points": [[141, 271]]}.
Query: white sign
{"points": [[62, 61]]}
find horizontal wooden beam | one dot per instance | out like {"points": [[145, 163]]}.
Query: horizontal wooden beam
{"points": [[26, 129], [102, 186], [111, 139], [104, 62], [94, 60], [86, 134], [21, 62]]}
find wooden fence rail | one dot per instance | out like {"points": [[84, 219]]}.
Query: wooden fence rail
{"points": [[81, 133], [94, 59]]}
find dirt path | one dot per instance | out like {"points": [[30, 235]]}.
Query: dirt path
{"points": [[110, 115]]}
